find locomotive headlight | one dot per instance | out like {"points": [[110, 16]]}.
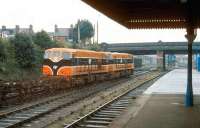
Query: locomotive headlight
{"points": [[55, 67]]}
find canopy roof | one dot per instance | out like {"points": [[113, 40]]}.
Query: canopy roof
{"points": [[150, 13]]}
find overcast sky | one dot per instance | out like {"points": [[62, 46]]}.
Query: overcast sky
{"points": [[44, 14]]}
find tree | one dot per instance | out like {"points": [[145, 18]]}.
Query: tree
{"points": [[24, 50], [43, 40], [86, 31], [94, 47], [60, 44], [2, 50]]}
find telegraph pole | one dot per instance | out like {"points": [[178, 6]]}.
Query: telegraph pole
{"points": [[97, 32], [94, 35], [78, 27]]}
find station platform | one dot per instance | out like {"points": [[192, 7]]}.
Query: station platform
{"points": [[162, 105], [175, 82]]}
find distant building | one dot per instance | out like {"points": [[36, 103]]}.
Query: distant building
{"points": [[7, 32], [63, 34], [24, 30], [10, 32], [51, 35]]}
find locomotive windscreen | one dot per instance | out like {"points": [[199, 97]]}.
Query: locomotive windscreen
{"points": [[56, 56]]}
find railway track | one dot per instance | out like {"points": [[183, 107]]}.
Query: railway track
{"points": [[20, 116], [105, 114]]}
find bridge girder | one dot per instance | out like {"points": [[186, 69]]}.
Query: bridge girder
{"points": [[152, 48]]}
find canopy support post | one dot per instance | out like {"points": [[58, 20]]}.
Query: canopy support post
{"points": [[191, 35]]}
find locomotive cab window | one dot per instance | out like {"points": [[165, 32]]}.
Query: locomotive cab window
{"points": [[66, 56], [50, 54]]}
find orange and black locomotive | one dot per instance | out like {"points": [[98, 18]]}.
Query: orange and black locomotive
{"points": [[86, 65]]}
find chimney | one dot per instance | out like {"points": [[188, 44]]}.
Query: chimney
{"points": [[3, 28], [17, 28], [56, 28], [30, 28]]}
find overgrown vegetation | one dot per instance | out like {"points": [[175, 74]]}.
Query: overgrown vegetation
{"points": [[21, 57]]}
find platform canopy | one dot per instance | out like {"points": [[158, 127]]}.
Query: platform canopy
{"points": [[147, 14]]}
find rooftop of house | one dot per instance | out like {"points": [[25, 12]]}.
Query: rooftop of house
{"points": [[17, 29], [7, 30], [62, 31]]}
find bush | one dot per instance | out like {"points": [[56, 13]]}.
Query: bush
{"points": [[94, 47], [43, 40], [39, 56], [24, 50], [63, 44]]}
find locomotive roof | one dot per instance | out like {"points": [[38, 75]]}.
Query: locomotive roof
{"points": [[121, 55], [89, 53], [63, 49], [80, 53]]}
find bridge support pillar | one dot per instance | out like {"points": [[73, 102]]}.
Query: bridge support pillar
{"points": [[163, 67], [191, 35], [161, 60]]}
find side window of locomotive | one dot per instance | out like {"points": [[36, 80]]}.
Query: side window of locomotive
{"points": [[83, 61], [121, 61], [130, 60], [94, 61], [89, 61], [111, 61], [66, 56], [99, 62], [75, 62], [126, 61], [115, 61], [104, 61]]}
